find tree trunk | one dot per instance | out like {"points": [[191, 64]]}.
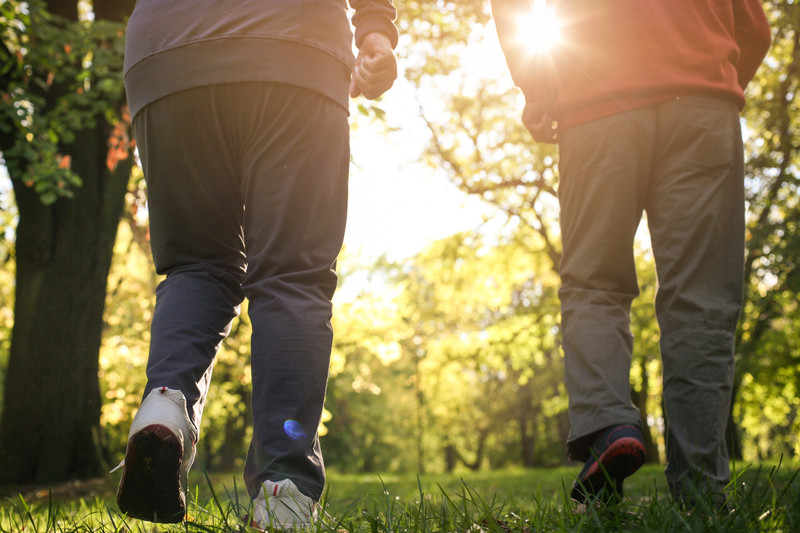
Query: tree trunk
{"points": [[640, 400], [450, 458], [733, 436], [452, 454], [526, 415], [50, 427]]}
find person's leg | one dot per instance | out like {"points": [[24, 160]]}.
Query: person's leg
{"points": [[603, 169], [195, 226], [696, 217], [295, 189], [196, 217]]}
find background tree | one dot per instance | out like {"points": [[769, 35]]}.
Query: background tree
{"points": [[768, 369], [64, 139], [371, 400], [483, 345]]}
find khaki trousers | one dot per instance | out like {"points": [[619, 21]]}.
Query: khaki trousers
{"points": [[681, 162]]}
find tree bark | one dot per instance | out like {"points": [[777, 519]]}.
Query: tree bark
{"points": [[50, 428]]}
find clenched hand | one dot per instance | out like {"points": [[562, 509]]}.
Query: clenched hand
{"points": [[375, 69], [539, 123]]}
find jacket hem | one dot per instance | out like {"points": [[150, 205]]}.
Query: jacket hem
{"points": [[241, 59]]}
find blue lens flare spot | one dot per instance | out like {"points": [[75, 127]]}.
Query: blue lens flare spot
{"points": [[293, 429]]}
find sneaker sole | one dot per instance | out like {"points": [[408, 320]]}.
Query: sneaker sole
{"points": [[620, 460], [150, 488]]}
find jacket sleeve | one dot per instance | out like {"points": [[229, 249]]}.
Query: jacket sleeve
{"points": [[530, 73], [753, 37], [374, 16]]}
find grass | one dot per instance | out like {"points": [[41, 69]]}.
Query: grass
{"points": [[765, 498]]}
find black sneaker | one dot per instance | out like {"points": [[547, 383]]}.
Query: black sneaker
{"points": [[617, 453]]}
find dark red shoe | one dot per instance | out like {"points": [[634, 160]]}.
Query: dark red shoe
{"points": [[617, 453]]}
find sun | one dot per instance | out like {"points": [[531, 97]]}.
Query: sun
{"points": [[539, 29]]}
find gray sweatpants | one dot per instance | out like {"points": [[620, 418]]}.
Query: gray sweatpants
{"points": [[682, 163], [247, 195]]}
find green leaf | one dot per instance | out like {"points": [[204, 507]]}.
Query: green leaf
{"points": [[48, 198]]}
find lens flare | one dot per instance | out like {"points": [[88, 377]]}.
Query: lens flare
{"points": [[293, 429], [539, 29]]}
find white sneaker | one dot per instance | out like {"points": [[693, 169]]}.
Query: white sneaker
{"points": [[160, 452], [280, 505]]}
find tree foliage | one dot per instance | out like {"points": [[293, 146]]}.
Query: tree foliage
{"points": [[769, 360], [462, 362], [62, 75]]}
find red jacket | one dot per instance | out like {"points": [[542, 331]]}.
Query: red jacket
{"points": [[617, 55]]}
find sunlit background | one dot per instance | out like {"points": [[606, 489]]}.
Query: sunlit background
{"points": [[446, 353], [398, 204]]}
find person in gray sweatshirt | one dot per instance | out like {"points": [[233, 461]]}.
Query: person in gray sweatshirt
{"points": [[240, 114]]}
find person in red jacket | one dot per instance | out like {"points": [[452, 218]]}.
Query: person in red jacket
{"points": [[642, 97], [240, 115]]}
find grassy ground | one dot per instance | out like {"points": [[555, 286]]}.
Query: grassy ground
{"points": [[764, 498]]}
